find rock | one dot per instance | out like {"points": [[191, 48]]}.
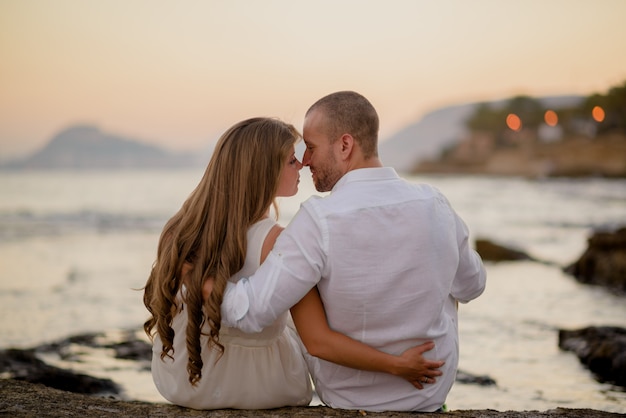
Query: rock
{"points": [[22, 399], [601, 349], [469, 379], [24, 365], [490, 251], [126, 346], [603, 262], [132, 349]]}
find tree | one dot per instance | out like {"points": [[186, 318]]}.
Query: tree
{"points": [[485, 118], [529, 110]]}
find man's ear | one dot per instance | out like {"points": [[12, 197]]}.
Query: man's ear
{"points": [[347, 145]]}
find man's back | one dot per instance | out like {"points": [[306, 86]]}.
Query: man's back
{"points": [[390, 260], [392, 255]]}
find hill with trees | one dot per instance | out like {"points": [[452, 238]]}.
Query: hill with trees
{"points": [[525, 136]]}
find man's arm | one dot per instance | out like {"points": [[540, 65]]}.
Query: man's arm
{"points": [[291, 269], [470, 279]]}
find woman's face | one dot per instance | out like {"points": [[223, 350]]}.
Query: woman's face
{"points": [[289, 176]]}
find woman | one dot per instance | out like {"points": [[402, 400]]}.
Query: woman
{"points": [[224, 231]]}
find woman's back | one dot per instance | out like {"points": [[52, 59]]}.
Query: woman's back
{"points": [[256, 371]]}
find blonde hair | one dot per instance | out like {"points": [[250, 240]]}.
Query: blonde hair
{"points": [[208, 233]]}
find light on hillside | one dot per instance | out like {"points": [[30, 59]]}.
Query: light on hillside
{"points": [[597, 113], [514, 122], [551, 118]]}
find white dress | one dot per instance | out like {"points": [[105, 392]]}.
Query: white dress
{"points": [[257, 371]]}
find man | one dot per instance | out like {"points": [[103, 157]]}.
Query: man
{"points": [[390, 259]]}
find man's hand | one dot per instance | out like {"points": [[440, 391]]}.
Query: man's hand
{"points": [[416, 369], [207, 287]]}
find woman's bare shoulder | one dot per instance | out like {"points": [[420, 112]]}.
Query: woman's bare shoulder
{"points": [[270, 239]]}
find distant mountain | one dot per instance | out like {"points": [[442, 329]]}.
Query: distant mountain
{"points": [[87, 147], [426, 138]]}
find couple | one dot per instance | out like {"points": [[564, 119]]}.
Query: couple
{"points": [[371, 275]]}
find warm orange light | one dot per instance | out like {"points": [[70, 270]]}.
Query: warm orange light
{"points": [[513, 122], [598, 114], [551, 118]]}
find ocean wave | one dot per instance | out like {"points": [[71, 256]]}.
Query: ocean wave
{"points": [[26, 224]]}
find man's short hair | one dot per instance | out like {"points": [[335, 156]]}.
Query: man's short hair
{"points": [[351, 113]]}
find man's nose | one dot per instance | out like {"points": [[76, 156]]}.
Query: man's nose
{"points": [[306, 159]]}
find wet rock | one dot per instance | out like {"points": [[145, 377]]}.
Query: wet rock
{"points": [[126, 346], [470, 379], [21, 399], [601, 349], [490, 251], [132, 349], [27, 365], [604, 261], [24, 365]]}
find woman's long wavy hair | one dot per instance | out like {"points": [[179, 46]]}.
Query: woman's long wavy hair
{"points": [[208, 234]]}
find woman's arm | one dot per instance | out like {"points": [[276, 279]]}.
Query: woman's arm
{"points": [[321, 341]]}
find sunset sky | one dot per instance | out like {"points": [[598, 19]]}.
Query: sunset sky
{"points": [[178, 73]]}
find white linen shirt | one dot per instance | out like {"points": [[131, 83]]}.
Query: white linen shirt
{"points": [[390, 259]]}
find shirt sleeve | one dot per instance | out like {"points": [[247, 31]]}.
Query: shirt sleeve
{"points": [[470, 279], [291, 269]]}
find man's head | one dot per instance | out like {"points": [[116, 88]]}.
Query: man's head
{"points": [[341, 134]]}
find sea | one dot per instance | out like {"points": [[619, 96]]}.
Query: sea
{"points": [[76, 247]]}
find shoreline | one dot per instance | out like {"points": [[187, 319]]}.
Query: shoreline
{"points": [[22, 399]]}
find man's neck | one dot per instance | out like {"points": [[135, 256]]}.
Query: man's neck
{"points": [[373, 162]]}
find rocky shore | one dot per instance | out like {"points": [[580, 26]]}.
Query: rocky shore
{"points": [[601, 349], [30, 387], [23, 399]]}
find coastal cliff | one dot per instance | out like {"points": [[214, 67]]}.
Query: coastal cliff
{"points": [[525, 156]]}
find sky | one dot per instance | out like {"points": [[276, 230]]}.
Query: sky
{"points": [[178, 73]]}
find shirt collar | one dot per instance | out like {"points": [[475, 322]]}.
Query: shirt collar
{"points": [[366, 174]]}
